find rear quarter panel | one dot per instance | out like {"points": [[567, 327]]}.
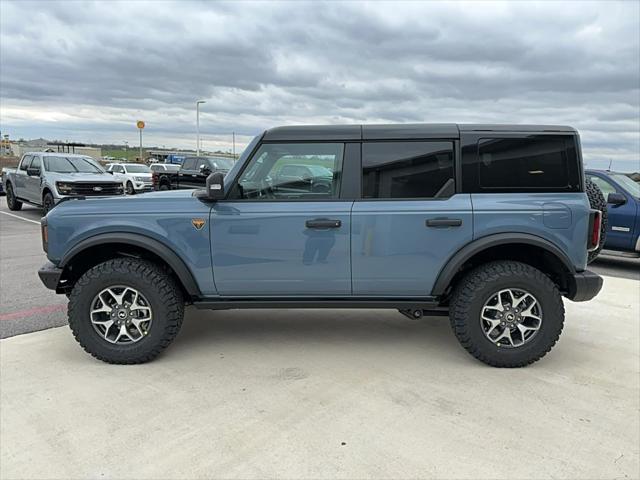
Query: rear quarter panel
{"points": [[561, 218]]}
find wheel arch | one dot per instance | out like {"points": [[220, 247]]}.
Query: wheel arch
{"points": [[533, 250], [98, 248]]}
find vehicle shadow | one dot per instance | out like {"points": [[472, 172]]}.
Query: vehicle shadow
{"points": [[375, 329], [620, 267]]}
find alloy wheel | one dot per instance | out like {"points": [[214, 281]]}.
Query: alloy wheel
{"points": [[121, 315], [511, 317]]}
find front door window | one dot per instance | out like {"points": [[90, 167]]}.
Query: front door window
{"points": [[305, 171]]}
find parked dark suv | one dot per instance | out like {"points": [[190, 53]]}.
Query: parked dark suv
{"points": [[488, 224]]}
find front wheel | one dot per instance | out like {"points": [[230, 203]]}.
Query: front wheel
{"points": [[47, 203], [130, 189], [125, 311], [507, 314]]}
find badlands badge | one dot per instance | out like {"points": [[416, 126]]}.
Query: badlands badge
{"points": [[198, 223]]}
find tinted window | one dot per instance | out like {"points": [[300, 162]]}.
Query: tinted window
{"points": [[35, 163], [156, 168], [407, 169], [25, 162], [292, 171], [189, 163], [534, 163]]}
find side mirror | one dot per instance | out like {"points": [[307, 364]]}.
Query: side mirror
{"points": [[109, 171], [33, 172], [215, 186], [204, 169], [616, 199]]}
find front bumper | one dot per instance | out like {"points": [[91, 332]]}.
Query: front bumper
{"points": [[50, 275], [583, 286]]}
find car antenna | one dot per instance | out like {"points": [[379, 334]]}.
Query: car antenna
{"points": [[610, 162]]}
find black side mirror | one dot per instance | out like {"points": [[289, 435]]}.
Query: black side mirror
{"points": [[109, 171], [204, 169], [33, 172], [215, 186], [616, 199]]}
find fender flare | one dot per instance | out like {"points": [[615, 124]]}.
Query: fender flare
{"points": [[464, 254], [142, 241]]}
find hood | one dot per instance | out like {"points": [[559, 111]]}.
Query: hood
{"points": [[82, 177], [148, 203]]}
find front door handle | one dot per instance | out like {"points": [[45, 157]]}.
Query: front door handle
{"points": [[444, 222], [323, 223]]}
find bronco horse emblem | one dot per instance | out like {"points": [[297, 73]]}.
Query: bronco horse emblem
{"points": [[198, 223]]}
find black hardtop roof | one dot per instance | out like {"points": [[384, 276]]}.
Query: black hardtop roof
{"points": [[396, 131]]}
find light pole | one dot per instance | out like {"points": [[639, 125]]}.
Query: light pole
{"points": [[198, 126]]}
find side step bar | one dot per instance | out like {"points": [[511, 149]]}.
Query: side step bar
{"points": [[427, 304]]}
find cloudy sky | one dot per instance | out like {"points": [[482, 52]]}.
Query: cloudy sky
{"points": [[86, 71]]}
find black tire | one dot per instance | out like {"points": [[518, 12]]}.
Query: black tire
{"points": [[47, 203], [597, 202], [130, 189], [12, 202], [164, 186], [162, 292], [478, 286]]}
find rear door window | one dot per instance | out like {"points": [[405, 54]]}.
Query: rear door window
{"points": [[404, 170]]}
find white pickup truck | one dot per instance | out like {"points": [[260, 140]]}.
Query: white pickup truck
{"points": [[45, 178]]}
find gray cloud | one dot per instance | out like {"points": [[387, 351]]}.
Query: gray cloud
{"points": [[88, 70]]}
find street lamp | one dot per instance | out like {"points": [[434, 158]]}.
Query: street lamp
{"points": [[198, 126]]}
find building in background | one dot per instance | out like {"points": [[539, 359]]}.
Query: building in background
{"points": [[41, 145]]}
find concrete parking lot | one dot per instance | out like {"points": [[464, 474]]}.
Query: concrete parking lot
{"points": [[314, 394]]}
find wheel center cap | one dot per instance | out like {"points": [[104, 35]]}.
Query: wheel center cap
{"points": [[122, 314], [510, 316]]}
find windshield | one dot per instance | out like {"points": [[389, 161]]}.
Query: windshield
{"points": [[221, 163], [71, 165], [629, 185], [138, 169]]}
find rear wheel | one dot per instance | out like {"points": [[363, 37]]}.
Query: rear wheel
{"points": [[125, 311], [12, 202], [597, 202], [507, 314]]}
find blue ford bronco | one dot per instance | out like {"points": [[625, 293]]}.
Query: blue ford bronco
{"points": [[488, 224]]}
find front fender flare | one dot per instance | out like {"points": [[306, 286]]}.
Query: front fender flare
{"points": [[458, 259], [141, 241]]}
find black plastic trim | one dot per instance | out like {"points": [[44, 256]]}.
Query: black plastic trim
{"points": [[583, 286], [226, 303], [144, 242], [454, 264], [50, 275]]}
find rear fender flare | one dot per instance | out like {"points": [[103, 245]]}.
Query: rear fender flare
{"points": [[458, 259]]}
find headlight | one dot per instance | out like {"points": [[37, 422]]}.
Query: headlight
{"points": [[64, 188]]}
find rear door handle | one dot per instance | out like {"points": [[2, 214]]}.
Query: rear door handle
{"points": [[323, 223], [444, 222]]}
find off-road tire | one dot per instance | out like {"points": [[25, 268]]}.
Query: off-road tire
{"points": [[162, 292], [474, 289], [597, 202], [12, 202], [47, 203], [129, 189]]}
